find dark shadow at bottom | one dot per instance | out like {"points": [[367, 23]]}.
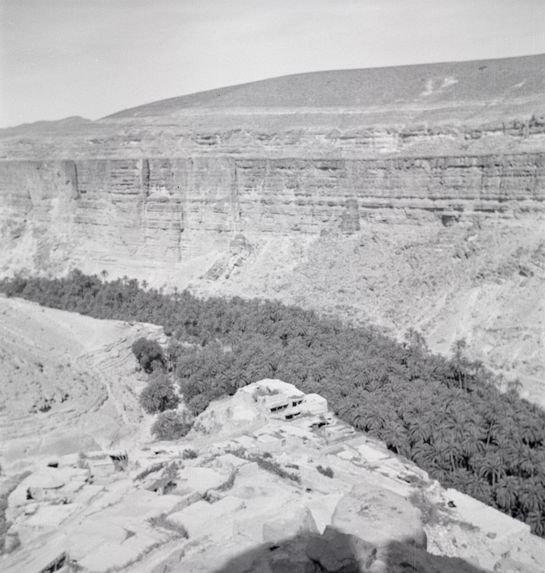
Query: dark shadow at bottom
{"points": [[337, 552]]}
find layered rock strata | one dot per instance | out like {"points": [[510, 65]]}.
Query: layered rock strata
{"points": [[172, 210]]}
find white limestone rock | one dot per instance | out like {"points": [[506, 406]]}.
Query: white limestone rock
{"points": [[292, 522], [230, 415]]}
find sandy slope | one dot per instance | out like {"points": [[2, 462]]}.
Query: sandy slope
{"points": [[68, 382]]}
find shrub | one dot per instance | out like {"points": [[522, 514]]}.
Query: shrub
{"points": [[159, 395], [327, 471], [148, 353], [274, 467], [150, 469], [171, 426], [15, 286], [164, 522]]}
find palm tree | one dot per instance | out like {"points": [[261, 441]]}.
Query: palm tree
{"points": [[479, 489], [531, 433], [532, 496], [506, 493], [470, 446], [459, 362], [396, 438], [347, 407], [376, 420], [420, 430], [527, 461], [536, 520], [424, 455], [491, 468], [449, 451], [461, 478], [492, 428]]}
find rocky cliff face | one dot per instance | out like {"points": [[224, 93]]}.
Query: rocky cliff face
{"points": [[408, 198], [171, 210]]}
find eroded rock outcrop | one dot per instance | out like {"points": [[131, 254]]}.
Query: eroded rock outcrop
{"points": [[258, 501]]}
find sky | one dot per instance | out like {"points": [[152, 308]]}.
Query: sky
{"points": [[60, 58]]}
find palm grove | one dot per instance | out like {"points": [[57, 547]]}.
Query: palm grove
{"points": [[446, 415]]}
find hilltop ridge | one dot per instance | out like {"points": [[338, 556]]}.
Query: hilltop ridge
{"points": [[492, 83]]}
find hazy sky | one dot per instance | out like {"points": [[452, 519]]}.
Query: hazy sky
{"points": [[94, 57]]}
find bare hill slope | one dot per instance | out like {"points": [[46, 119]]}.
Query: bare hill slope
{"points": [[491, 82], [68, 382]]}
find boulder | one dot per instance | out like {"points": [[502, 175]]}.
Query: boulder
{"points": [[229, 415], [322, 509], [249, 528], [290, 523], [198, 479], [202, 517], [44, 484], [290, 557], [314, 404], [380, 517], [47, 478]]}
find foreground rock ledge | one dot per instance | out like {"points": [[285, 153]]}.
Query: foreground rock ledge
{"points": [[269, 480]]}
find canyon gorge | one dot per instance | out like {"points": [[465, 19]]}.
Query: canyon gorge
{"points": [[408, 197]]}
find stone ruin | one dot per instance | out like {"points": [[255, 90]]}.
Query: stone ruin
{"points": [[284, 401]]}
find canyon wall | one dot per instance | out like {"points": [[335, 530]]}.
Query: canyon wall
{"points": [[409, 197], [171, 210]]}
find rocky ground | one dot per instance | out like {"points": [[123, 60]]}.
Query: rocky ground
{"points": [[249, 491]]}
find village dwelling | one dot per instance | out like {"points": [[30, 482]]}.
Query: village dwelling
{"points": [[103, 464], [284, 401], [282, 406]]}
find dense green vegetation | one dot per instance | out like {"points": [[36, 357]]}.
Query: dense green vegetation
{"points": [[148, 353], [159, 395], [445, 415]]}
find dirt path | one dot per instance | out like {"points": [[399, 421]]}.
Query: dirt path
{"points": [[68, 382]]}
